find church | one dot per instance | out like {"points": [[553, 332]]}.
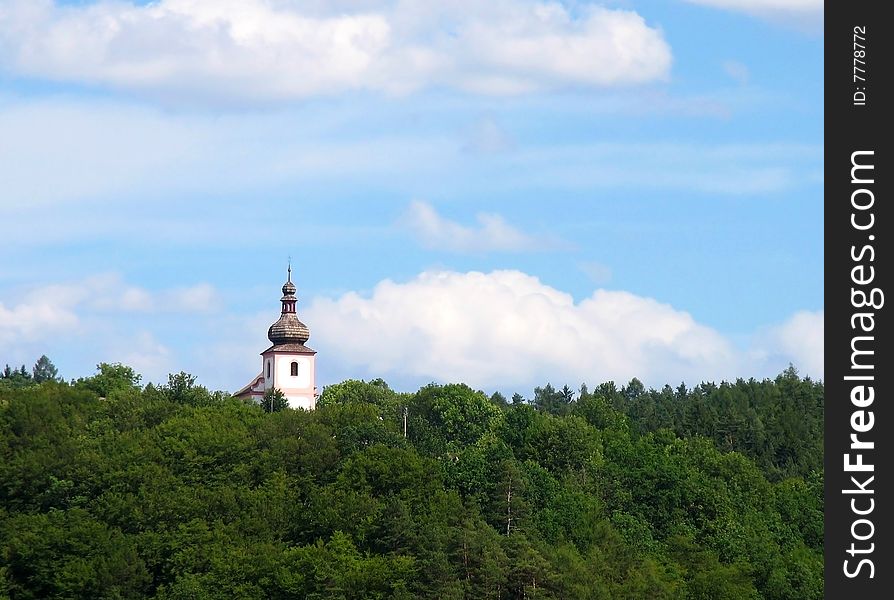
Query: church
{"points": [[287, 365]]}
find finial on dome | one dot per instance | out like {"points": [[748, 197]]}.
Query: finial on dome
{"points": [[288, 329], [288, 288]]}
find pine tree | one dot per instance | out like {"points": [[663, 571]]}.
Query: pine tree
{"points": [[44, 370]]}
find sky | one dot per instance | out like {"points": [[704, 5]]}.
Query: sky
{"points": [[503, 194]]}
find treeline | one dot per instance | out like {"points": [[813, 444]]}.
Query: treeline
{"points": [[43, 370], [113, 490], [778, 423]]}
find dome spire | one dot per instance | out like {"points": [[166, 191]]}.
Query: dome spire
{"points": [[288, 292], [288, 329]]}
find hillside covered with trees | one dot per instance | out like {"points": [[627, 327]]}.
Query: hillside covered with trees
{"points": [[110, 489]]}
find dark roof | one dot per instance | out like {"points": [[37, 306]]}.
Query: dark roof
{"points": [[288, 330], [295, 348]]}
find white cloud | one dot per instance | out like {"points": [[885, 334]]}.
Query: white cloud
{"points": [[102, 318], [248, 50], [36, 319], [804, 13], [799, 340], [107, 292], [506, 327], [493, 232], [509, 328], [496, 329], [146, 355]]}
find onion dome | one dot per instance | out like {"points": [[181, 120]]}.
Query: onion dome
{"points": [[288, 329]]}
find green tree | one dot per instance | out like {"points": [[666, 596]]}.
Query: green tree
{"points": [[499, 399], [44, 370], [69, 554], [274, 400], [508, 509], [15, 378], [111, 377], [355, 391], [182, 389], [389, 405], [708, 578], [450, 415], [173, 492], [530, 575], [550, 400]]}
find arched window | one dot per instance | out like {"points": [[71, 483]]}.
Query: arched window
{"points": [[294, 369], [268, 369]]}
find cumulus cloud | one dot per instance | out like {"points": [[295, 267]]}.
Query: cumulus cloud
{"points": [[497, 329], [492, 233], [799, 340], [35, 319], [246, 50], [806, 13], [509, 328]]}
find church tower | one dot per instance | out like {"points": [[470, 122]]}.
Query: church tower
{"points": [[288, 364]]}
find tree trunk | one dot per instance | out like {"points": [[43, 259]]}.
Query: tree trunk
{"points": [[509, 506]]}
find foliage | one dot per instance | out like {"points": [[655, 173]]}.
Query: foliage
{"points": [[112, 490], [44, 370], [274, 400], [110, 378], [15, 378], [777, 423]]}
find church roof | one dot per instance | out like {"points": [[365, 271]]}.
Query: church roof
{"points": [[293, 348], [288, 329], [247, 390]]}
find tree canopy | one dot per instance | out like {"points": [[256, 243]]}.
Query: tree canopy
{"points": [[113, 490]]}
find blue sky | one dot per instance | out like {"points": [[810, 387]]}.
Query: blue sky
{"points": [[506, 196]]}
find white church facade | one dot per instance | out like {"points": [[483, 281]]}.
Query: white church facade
{"points": [[288, 365]]}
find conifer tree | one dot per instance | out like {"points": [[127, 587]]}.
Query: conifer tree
{"points": [[44, 370]]}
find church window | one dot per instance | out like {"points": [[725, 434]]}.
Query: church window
{"points": [[268, 369], [294, 369]]}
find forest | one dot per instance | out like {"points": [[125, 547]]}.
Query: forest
{"points": [[111, 489]]}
